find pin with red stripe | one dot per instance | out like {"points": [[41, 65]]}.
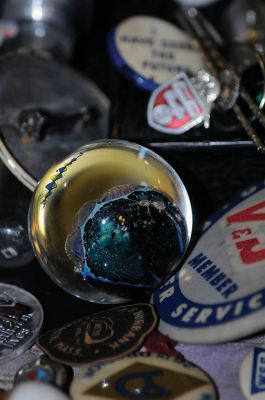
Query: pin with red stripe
{"points": [[182, 103]]}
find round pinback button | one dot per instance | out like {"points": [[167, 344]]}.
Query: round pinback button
{"points": [[219, 293], [145, 376], [252, 374], [149, 51], [21, 318]]}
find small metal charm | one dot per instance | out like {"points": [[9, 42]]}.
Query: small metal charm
{"points": [[182, 103], [46, 371]]}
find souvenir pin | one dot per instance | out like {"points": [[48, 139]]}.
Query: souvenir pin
{"points": [[21, 319], [35, 390], [118, 222], [45, 123], [45, 370], [252, 374], [219, 293], [150, 51], [145, 376], [102, 336], [182, 103]]}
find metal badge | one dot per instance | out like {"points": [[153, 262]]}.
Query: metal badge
{"points": [[182, 103], [47, 371], [103, 336], [21, 319]]}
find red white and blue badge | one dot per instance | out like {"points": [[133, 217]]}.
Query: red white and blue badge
{"points": [[219, 293], [175, 107], [252, 374]]}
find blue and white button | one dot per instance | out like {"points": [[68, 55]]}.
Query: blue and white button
{"points": [[252, 374], [150, 51], [219, 293]]}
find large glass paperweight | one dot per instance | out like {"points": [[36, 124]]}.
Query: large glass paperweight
{"points": [[111, 222]]}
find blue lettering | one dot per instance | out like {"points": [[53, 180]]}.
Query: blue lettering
{"points": [[196, 261], [261, 380], [209, 274], [215, 281]]}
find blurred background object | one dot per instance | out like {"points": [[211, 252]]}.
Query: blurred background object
{"points": [[47, 25]]}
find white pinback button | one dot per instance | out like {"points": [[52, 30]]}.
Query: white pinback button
{"points": [[145, 376], [252, 374], [149, 51], [219, 294]]}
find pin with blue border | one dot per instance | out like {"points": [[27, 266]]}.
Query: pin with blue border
{"points": [[252, 374], [149, 51], [219, 293]]}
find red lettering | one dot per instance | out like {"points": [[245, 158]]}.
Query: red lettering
{"points": [[247, 253], [249, 214], [241, 232]]}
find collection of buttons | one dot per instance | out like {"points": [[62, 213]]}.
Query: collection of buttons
{"points": [[100, 219]]}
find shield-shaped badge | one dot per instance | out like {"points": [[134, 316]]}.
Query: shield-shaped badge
{"points": [[175, 106]]}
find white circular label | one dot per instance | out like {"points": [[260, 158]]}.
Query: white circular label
{"points": [[252, 374], [156, 49], [219, 293]]}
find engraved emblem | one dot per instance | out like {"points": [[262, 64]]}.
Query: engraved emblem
{"points": [[103, 336], [175, 107], [20, 320]]}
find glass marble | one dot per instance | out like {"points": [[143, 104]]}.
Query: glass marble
{"points": [[111, 222]]}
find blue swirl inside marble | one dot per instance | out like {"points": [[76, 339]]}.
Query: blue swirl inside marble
{"points": [[133, 236]]}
